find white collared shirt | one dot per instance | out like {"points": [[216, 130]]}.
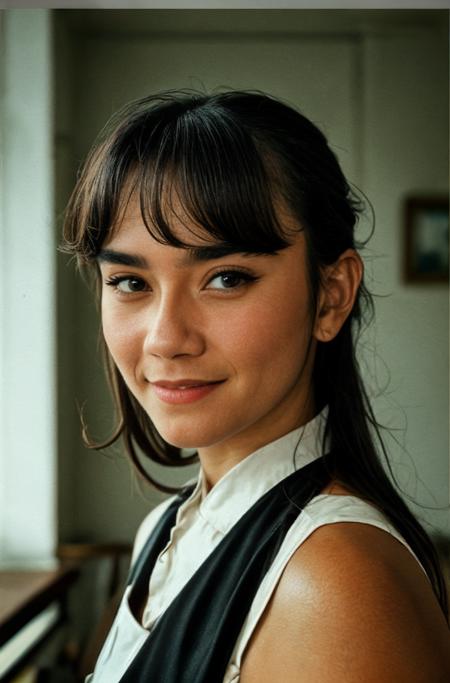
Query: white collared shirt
{"points": [[203, 520], [201, 523]]}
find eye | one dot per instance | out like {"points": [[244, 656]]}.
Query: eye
{"points": [[126, 284], [230, 279]]}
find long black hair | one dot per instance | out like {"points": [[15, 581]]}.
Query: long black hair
{"points": [[230, 157]]}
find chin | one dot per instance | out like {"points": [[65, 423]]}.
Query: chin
{"points": [[188, 437], [186, 441]]}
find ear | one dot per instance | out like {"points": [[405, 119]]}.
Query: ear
{"points": [[340, 282]]}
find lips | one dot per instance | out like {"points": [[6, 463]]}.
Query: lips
{"points": [[184, 390], [183, 383]]}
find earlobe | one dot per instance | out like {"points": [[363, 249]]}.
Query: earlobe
{"points": [[338, 292]]}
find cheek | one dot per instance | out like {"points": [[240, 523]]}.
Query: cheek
{"points": [[267, 335], [121, 337]]}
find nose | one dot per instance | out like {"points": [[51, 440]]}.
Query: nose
{"points": [[173, 329]]}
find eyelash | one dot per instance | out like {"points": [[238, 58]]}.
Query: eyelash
{"points": [[244, 276], [115, 280]]}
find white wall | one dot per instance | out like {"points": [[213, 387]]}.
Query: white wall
{"points": [[378, 87], [27, 294]]}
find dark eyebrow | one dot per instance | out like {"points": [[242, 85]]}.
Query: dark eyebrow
{"points": [[215, 251], [121, 259], [193, 255]]}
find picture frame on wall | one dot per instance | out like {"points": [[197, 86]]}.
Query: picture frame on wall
{"points": [[426, 224]]}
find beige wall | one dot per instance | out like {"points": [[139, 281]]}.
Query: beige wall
{"points": [[377, 84], [406, 152]]}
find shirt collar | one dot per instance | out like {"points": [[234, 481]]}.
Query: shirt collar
{"points": [[251, 478]]}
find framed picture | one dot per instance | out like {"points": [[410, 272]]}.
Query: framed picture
{"points": [[426, 239]]}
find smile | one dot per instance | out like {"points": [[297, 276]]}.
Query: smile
{"points": [[183, 391]]}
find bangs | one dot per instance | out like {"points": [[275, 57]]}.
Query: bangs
{"points": [[198, 165], [210, 176]]}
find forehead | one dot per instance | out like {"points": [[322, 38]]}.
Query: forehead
{"points": [[131, 241], [133, 221], [133, 245]]}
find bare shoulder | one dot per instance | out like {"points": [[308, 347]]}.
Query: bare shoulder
{"points": [[352, 604]]}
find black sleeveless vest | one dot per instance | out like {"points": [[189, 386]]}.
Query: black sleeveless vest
{"points": [[194, 638]]}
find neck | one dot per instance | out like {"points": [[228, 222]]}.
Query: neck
{"points": [[220, 458]]}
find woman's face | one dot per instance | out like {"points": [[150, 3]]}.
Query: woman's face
{"points": [[214, 346]]}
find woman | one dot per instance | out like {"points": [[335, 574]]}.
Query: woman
{"points": [[221, 230]]}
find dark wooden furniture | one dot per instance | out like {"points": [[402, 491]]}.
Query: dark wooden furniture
{"points": [[117, 554], [24, 597]]}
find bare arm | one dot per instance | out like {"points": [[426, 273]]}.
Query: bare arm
{"points": [[352, 605]]}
